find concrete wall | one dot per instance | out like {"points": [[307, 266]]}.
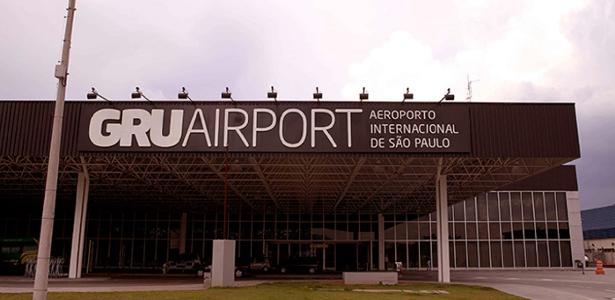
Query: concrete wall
{"points": [[576, 228]]}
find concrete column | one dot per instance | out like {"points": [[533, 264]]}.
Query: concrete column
{"points": [[444, 269], [575, 227], [81, 207], [182, 233], [223, 263], [381, 265]]}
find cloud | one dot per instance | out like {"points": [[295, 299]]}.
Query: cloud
{"points": [[519, 50], [523, 59]]}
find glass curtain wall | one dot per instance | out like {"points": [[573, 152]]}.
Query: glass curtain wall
{"points": [[494, 230]]}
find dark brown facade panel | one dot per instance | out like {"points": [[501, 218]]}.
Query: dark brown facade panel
{"points": [[25, 127], [524, 130], [497, 129], [562, 178]]}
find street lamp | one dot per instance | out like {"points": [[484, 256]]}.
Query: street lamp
{"points": [[137, 94], [94, 94], [183, 95], [227, 94], [273, 95], [448, 96], [317, 96], [408, 95], [364, 95], [41, 279]]}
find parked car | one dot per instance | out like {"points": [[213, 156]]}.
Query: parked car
{"points": [[302, 264], [245, 266], [184, 264]]}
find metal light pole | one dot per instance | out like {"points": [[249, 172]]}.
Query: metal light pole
{"points": [[41, 279]]}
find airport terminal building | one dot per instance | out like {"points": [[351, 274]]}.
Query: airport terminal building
{"points": [[358, 186]]}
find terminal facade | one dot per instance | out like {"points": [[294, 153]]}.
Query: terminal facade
{"points": [[142, 184]]}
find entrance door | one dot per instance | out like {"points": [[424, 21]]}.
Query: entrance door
{"points": [[363, 253]]}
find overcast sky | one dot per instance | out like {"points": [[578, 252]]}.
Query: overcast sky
{"points": [[517, 50]]}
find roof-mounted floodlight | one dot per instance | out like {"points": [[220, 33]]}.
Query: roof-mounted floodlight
{"points": [[184, 94], [94, 94], [227, 94], [273, 94], [137, 94], [364, 95], [318, 95], [408, 95], [448, 96]]}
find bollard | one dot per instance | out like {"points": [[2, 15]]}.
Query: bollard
{"points": [[599, 268]]}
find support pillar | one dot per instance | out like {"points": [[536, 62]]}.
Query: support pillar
{"points": [[381, 265], [182, 233], [444, 269], [223, 263], [81, 207]]}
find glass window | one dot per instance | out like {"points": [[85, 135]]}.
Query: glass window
{"points": [[425, 254], [434, 254], [554, 254], [458, 211], [353, 228], [481, 205], [451, 253], [552, 230], [550, 206], [515, 203], [493, 204], [401, 254], [413, 254], [539, 207], [470, 210], [400, 231], [505, 206], [529, 230], [562, 209], [564, 233], [389, 230], [484, 254], [424, 231], [471, 231], [483, 230], [566, 256], [413, 230], [528, 207], [507, 233], [496, 254], [494, 231], [530, 254], [543, 254], [518, 230], [472, 255], [541, 230], [460, 231], [507, 254], [293, 230], [269, 229], [460, 255], [519, 254]]}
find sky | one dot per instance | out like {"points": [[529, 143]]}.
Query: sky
{"points": [[559, 51]]}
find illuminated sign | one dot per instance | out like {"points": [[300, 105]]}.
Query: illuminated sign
{"points": [[271, 127]]}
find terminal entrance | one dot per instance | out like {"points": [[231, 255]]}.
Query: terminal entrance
{"points": [[333, 186]]}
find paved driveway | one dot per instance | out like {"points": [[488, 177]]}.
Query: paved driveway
{"points": [[551, 285]]}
